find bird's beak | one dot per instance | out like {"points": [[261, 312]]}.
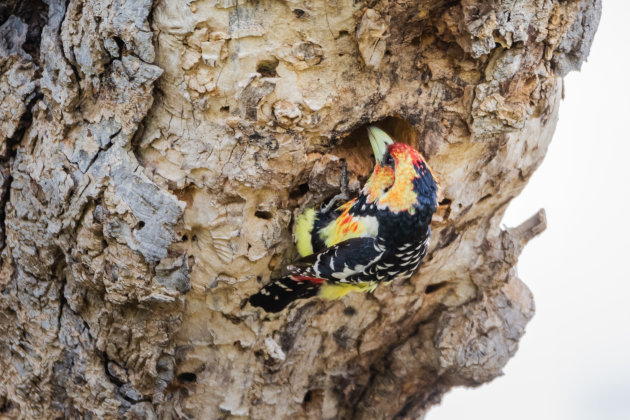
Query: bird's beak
{"points": [[379, 141]]}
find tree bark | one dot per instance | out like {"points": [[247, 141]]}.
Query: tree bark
{"points": [[154, 155]]}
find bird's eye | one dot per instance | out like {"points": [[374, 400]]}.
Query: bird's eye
{"points": [[389, 160]]}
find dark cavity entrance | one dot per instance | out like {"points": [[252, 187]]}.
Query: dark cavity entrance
{"points": [[356, 150]]}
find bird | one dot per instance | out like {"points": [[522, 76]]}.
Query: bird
{"points": [[378, 237], [317, 229]]}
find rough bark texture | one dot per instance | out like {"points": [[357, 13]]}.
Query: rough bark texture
{"points": [[153, 156]]}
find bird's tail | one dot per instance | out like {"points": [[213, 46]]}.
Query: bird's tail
{"points": [[276, 295]]}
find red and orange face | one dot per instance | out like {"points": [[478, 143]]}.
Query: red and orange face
{"points": [[381, 180], [401, 178], [415, 185], [396, 182]]}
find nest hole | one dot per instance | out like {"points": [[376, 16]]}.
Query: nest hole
{"points": [[267, 68], [355, 146], [266, 215], [313, 399], [349, 311], [299, 191], [432, 288], [187, 377], [308, 397]]}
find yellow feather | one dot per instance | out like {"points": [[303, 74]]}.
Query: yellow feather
{"points": [[303, 229], [347, 227], [339, 290]]}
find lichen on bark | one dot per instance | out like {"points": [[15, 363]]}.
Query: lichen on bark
{"points": [[153, 156]]}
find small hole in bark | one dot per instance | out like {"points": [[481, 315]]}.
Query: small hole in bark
{"points": [[308, 397], [299, 13], [432, 288], [120, 43], [140, 224], [349, 311], [267, 68], [225, 109], [6, 407], [187, 377], [263, 214], [343, 33], [194, 238], [313, 399], [299, 191], [185, 237]]}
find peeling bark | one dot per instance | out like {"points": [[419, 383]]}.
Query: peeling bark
{"points": [[153, 156]]}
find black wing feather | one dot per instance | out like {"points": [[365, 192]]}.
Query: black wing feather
{"points": [[334, 264]]}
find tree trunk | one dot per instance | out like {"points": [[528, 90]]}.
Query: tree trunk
{"points": [[153, 157]]}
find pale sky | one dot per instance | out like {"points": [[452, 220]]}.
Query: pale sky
{"points": [[574, 360]]}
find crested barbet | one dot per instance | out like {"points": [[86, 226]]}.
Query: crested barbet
{"points": [[380, 236]]}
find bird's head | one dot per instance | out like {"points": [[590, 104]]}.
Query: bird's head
{"points": [[401, 180]]}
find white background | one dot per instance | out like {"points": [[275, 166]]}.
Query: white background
{"points": [[574, 360]]}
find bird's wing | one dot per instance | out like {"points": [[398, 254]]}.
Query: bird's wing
{"points": [[339, 262], [316, 230]]}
